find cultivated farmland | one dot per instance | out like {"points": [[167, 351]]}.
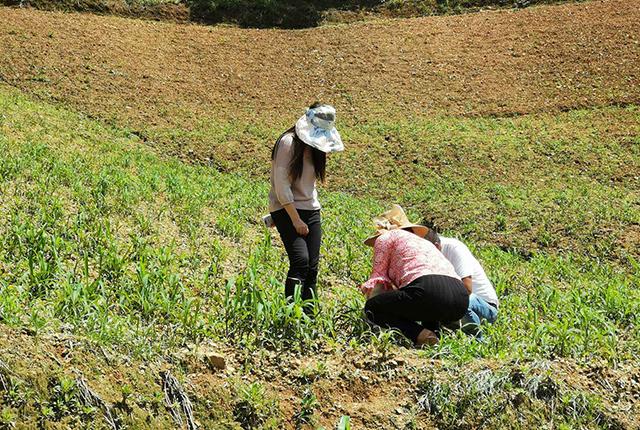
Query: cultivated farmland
{"points": [[134, 173]]}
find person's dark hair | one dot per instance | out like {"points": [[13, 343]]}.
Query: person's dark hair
{"points": [[295, 166], [433, 237]]}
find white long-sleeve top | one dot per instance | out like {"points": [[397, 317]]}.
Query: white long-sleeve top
{"points": [[302, 192]]}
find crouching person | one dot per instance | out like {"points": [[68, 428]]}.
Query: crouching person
{"points": [[483, 300], [412, 287]]}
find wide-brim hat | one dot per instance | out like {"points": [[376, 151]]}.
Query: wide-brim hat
{"points": [[394, 219], [317, 129]]}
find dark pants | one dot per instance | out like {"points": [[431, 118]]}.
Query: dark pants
{"points": [[429, 299], [303, 252]]}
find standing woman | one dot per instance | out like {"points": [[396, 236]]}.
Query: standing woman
{"points": [[298, 159]]}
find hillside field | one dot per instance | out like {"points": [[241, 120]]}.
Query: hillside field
{"points": [[520, 118], [135, 171]]}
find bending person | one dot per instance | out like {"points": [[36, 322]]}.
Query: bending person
{"points": [[483, 300], [411, 281], [298, 160]]}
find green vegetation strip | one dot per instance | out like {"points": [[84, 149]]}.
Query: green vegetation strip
{"points": [[143, 253], [99, 232], [564, 181]]}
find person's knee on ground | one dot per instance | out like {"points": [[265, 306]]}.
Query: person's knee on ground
{"points": [[369, 311], [374, 310]]}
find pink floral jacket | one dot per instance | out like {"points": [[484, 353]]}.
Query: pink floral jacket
{"points": [[400, 257]]}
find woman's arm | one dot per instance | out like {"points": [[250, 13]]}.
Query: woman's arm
{"points": [[379, 288], [301, 228], [382, 250], [282, 184]]}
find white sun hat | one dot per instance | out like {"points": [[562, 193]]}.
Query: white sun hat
{"points": [[317, 129]]}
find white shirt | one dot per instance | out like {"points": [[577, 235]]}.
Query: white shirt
{"points": [[465, 264]]}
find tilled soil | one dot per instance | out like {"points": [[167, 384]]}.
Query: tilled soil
{"points": [[493, 63], [162, 11]]}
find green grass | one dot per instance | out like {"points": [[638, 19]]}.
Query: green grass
{"points": [[539, 182], [144, 254]]}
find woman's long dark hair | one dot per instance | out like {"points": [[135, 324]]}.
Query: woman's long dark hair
{"points": [[296, 164]]}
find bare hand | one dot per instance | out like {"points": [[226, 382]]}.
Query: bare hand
{"points": [[377, 289], [301, 228]]}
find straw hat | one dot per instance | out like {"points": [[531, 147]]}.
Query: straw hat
{"points": [[317, 129], [394, 219]]}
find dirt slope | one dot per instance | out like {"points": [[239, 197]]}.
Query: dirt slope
{"points": [[493, 63], [375, 394]]}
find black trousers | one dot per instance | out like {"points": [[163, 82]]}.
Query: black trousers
{"points": [[429, 299], [303, 252]]}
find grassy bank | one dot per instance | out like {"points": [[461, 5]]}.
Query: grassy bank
{"points": [[105, 241]]}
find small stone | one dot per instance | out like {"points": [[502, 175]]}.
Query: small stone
{"points": [[215, 361]]}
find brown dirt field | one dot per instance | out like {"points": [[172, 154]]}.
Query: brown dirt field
{"points": [[175, 12], [349, 385], [493, 63]]}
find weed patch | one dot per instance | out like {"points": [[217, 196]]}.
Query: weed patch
{"points": [[95, 244]]}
